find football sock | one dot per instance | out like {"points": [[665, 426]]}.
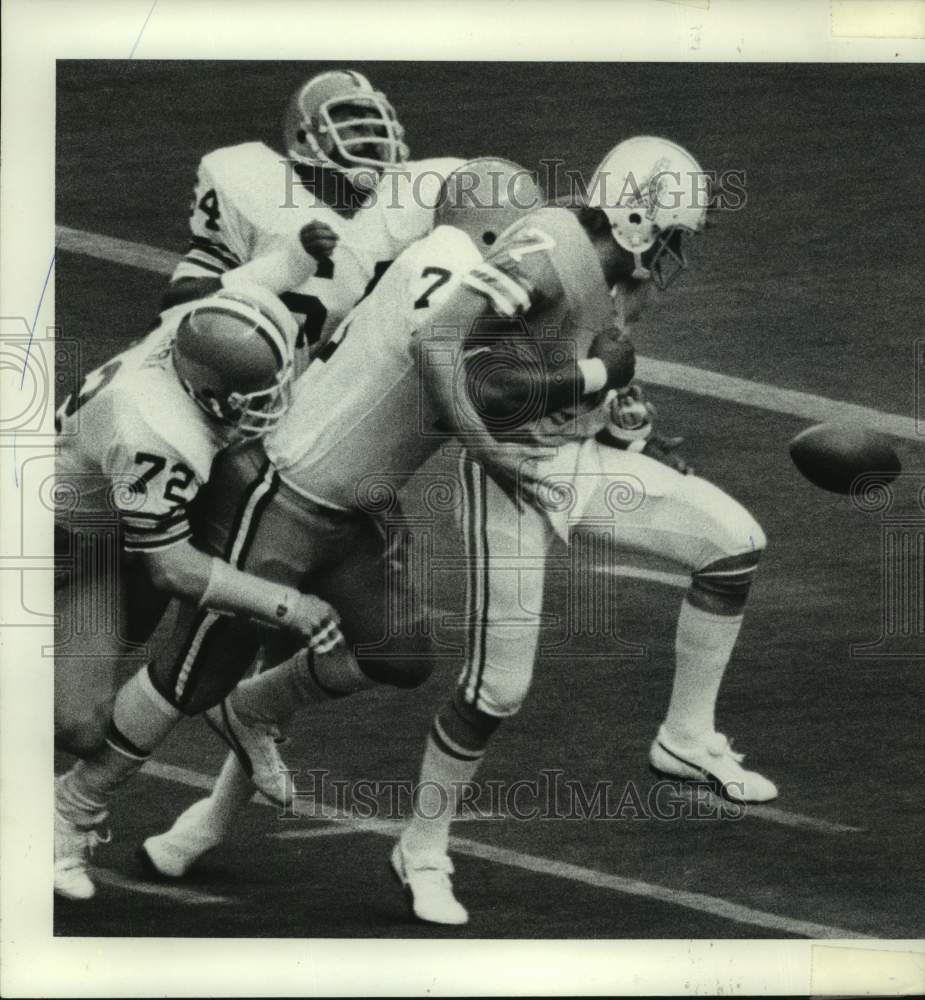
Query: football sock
{"points": [[703, 647], [272, 697], [454, 750], [230, 794], [141, 719]]}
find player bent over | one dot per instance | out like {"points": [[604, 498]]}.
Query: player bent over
{"points": [[566, 273], [357, 412], [136, 444]]}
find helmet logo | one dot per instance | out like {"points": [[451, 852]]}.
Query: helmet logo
{"points": [[647, 193]]}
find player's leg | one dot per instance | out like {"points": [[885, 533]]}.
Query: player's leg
{"points": [[90, 616], [506, 549], [294, 534], [658, 514], [198, 657], [105, 614]]}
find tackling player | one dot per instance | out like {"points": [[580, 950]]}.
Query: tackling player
{"points": [[561, 274], [347, 167], [135, 446], [352, 424]]}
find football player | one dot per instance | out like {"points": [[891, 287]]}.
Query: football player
{"points": [[352, 424], [135, 446], [346, 166], [591, 467]]}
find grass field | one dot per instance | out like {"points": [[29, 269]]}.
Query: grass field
{"points": [[816, 285]]}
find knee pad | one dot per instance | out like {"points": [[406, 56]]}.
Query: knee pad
{"points": [[462, 730], [397, 671], [722, 586]]}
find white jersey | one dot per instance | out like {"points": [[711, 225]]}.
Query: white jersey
{"points": [[132, 445], [248, 197], [360, 409]]}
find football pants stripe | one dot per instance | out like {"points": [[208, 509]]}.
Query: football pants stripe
{"points": [[475, 512], [208, 619], [246, 511], [468, 518], [239, 542]]}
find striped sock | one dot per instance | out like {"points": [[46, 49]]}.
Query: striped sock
{"points": [[272, 696], [455, 748], [141, 718]]}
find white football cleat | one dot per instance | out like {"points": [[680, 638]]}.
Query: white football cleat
{"points": [[426, 880], [172, 853], [712, 762], [255, 745], [73, 846]]}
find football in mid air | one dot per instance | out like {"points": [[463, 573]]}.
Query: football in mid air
{"points": [[832, 456]]}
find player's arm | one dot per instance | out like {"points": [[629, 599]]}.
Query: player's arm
{"points": [[153, 488], [221, 242], [466, 391], [182, 570], [289, 264]]}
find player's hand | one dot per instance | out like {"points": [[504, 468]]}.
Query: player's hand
{"points": [[617, 352], [317, 621], [664, 449], [631, 414], [318, 239]]}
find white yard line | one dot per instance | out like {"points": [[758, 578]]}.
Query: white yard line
{"points": [[117, 251], [714, 905], [667, 373], [176, 893]]}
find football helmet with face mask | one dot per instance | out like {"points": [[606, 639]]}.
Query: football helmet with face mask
{"points": [[655, 195], [233, 355], [337, 119]]}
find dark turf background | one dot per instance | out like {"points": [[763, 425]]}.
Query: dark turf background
{"points": [[815, 285]]}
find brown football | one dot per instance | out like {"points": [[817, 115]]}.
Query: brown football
{"points": [[832, 456]]}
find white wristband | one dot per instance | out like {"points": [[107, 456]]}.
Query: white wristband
{"points": [[594, 375], [280, 270], [230, 591]]}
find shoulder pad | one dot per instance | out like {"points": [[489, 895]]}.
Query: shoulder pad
{"points": [[248, 177]]}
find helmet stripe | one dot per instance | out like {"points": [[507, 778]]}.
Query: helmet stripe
{"points": [[258, 328]]}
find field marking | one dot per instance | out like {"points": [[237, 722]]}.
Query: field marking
{"points": [[699, 381], [784, 817], [714, 905], [322, 811], [116, 251], [179, 894]]}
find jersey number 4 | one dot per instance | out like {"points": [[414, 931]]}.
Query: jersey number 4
{"points": [[208, 204]]}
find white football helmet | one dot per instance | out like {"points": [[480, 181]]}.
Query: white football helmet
{"points": [[485, 196], [338, 120], [655, 194], [233, 355]]}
